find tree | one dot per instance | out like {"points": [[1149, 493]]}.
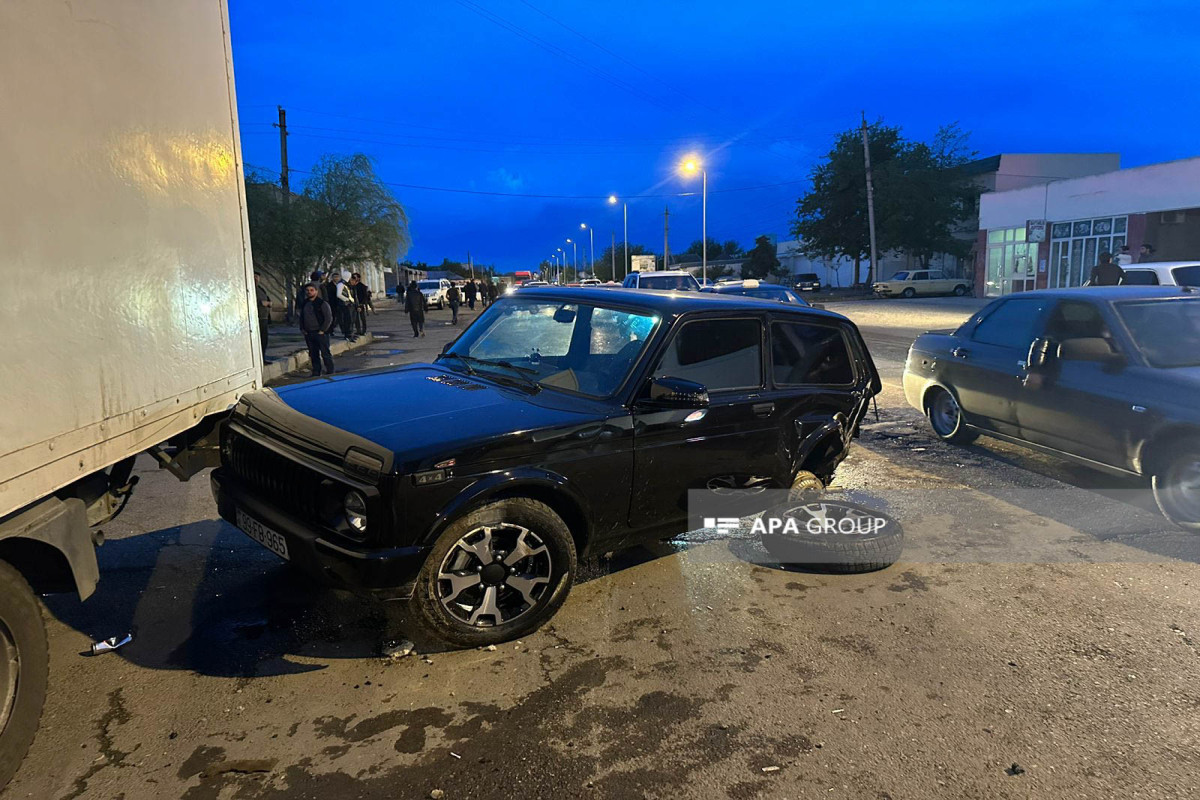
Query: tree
{"points": [[344, 217], [716, 251], [762, 260], [603, 268], [831, 220]]}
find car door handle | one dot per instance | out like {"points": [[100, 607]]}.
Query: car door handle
{"points": [[960, 352], [763, 409]]}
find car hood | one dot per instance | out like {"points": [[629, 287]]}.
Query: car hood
{"points": [[424, 410]]}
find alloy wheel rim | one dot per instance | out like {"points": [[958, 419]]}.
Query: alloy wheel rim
{"points": [[945, 413], [1187, 488], [494, 575], [732, 485], [819, 512]]}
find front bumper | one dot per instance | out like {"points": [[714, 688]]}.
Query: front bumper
{"points": [[386, 574]]}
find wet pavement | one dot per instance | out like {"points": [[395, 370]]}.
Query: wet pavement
{"points": [[1043, 616]]}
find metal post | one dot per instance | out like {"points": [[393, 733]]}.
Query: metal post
{"points": [[625, 266], [704, 228]]}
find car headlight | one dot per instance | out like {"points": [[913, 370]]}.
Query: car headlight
{"points": [[356, 510]]}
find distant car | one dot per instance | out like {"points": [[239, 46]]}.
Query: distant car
{"points": [[763, 291], [808, 282], [1105, 376], [662, 280], [1164, 273], [911, 283], [590, 282], [435, 291]]}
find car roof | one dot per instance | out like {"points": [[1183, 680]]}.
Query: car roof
{"points": [[1112, 293], [1161, 266], [672, 302], [735, 285], [674, 273]]}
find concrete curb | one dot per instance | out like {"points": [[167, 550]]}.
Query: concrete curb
{"points": [[299, 359]]}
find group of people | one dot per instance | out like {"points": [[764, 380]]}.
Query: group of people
{"points": [[1110, 271], [415, 302], [341, 299]]}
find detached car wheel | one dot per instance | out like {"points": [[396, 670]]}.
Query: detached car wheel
{"points": [[833, 536], [1177, 488], [495, 574], [946, 418], [24, 669]]}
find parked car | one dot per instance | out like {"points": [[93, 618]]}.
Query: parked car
{"points": [[435, 291], [921, 281], [763, 291], [663, 280], [1106, 376], [591, 282], [1164, 273], [593, 415], [808, 282]]}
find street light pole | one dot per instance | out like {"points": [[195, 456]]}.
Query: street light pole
{"points": [[562, 260], [592, 239], [704, 227]]}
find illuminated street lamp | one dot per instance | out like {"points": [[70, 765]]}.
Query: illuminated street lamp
{"points": [[592, 238], [612, 200], [575, 250], [562, 260], [690, 166]]}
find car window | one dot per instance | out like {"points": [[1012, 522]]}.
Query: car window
{"points": [[1075, 319], [766, 294], [668, 282], [1140, 277], [1166, 331], [900, 276], [719, 353], [803, 353], [1011, 324], [920, 276], [807, 276], [936, 276], [1187, 276], [527, 328], [630, 280]]}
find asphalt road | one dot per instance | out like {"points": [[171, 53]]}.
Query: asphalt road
{"points": [[1043, 616]]}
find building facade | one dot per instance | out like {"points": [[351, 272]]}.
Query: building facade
{"points": [[1050, 236]]}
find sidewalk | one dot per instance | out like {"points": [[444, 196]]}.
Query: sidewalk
{"points": [[287, 353]]}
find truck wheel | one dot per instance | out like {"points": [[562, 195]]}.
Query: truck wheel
{"points": [[837, 537], [24, 669], [1177, 487], [496, 574], [946, 418], [960, 290]]}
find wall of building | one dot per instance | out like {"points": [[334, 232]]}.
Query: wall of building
{"points": [[1174, 236], [1019, 170]]}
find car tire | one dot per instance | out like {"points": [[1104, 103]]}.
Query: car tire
{"points": [[946, 418], [909, 293], [1177, 486], [25, 659], [960, 290], [495, 530], [805, 486], [837, 552]]}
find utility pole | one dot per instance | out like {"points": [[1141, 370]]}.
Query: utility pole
{"points": [[470, 266], [613, 250], [284, 184], [666, 239], [870, 200]]}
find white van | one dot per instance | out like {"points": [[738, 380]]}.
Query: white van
{"points": [[1163, 273]]}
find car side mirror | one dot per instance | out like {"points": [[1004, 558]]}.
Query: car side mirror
{"points": [[1091, 348], [668, 392], [1041, 353], [817, 306]]}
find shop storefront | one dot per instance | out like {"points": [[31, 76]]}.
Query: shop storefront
{"points": [[1011, 262], [1075, 247]]}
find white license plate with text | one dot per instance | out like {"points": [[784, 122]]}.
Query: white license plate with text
{"points": [[262, 534]]}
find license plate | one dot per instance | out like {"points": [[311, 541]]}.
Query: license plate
{"points": [[262, 534]]}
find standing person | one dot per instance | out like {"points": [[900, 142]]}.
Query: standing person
{"points": [[471, 295], [1124, 257], [362, 299], [414, 306], [452, 297], [1106, 273], [493, 291], [400, 292], [1145, 253], [345, 305], [316, 321], [264, 313]]}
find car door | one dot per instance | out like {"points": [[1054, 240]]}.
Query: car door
{"points": [[986, 366], [1085, 408], [920, 281], [728, 447]]}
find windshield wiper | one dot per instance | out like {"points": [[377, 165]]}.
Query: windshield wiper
{"points": [[466, 360], [521, 373]]}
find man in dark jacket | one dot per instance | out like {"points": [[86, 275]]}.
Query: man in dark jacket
{"points": [[263, 301], [454, 301], [1106, 273], [414, 306], [316, 321], [470, 287], [362, 300]]}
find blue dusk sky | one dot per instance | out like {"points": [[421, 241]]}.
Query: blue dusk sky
{"points": [[534, 111]]}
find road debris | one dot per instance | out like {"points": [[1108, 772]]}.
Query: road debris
{"points": [[456, 755], [837, 711], [491, 648], [437, 794], [397, 649], [111, 643], [1014, 770], [770, 769]]}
